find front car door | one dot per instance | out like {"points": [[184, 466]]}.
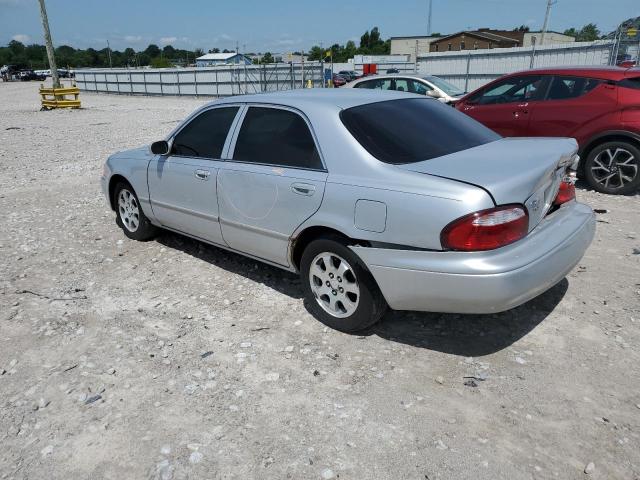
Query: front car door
{"points": [[506, 106], [273, 182], [182, 185]]}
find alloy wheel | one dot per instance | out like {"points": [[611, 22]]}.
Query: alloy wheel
{"points": [[614, 168], [334, 285], [129, 210]]}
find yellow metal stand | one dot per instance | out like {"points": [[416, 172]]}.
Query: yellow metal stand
{"points": [[57, 97]]}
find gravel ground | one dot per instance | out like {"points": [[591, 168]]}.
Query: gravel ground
{"points": [[174, 359]]}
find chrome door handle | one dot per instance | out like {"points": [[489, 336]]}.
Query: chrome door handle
{"points": [[202, 174], [303, 189]]}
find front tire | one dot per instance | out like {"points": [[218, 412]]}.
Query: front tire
{"points": [[129, 214], [339, 290], [613, 167]]}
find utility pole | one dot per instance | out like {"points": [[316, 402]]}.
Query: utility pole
{"points": [[49, 43], [429, 18], [109, 53], [550, 3]]}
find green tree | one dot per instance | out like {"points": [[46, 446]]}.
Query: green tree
{"points": [[159, 62], [267, 58], [152, 51], [587, 33]]}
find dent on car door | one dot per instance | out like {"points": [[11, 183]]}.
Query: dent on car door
{"points": [[274, 182], [182, 185], [506, 106]]}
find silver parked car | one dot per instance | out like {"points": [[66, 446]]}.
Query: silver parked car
{"points": [[429, 85], [377, 198]]}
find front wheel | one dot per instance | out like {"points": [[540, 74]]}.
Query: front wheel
{"points": [[130, 217], [614, 167], [339, 290]]}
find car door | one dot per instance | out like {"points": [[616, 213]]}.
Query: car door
{"points": [[506, 106], [273, 182], [182, 185], [572, 102]]}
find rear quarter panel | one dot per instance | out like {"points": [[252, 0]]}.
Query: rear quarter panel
{"points": [[415, 213]]}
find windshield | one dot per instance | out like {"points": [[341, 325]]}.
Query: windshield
{"points": [[413, 130], [443, 85]]}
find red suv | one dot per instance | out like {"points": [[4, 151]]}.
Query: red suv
{"points": [[598, 106]]}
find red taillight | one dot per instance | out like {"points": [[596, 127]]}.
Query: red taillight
{"points": [[486, 229], [567, 191]]}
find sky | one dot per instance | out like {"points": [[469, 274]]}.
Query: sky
{"points": [[283, 25]]}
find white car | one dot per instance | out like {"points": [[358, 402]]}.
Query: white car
{"points": [[422, 85]]}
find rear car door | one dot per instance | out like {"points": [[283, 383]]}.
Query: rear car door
{"points": [[507, 105], [570, 103], [272, 183], [182, 185]]}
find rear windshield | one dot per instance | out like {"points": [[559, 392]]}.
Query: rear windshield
{"points": [[413, 130]]}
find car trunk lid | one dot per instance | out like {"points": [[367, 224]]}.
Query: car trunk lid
{"points": [[527, 171]]}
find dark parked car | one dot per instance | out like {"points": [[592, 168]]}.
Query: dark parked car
{"points": [[339, 80], [349, 75], [28, 75], [599, 107]]}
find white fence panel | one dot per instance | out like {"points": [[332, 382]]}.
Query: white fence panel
{"points": [[215, 81], [471, 69]]}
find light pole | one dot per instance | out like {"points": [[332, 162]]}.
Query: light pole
{"points": [[49, 44], [550, 3], [429, 18]]}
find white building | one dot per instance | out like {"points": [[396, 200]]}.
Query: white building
{"points": [[411, 46], [550, 38], [231, 58]]}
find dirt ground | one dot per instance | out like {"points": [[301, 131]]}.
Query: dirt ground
{"points": [[174, 359]]}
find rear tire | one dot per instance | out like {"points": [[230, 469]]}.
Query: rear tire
{"points": [[338, 288], [614, 168], [129, 214]]}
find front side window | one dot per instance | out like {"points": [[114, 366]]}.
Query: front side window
{"points": [[274, 136], [514, 89], [414, 129], [563, 87], [204, 136]]}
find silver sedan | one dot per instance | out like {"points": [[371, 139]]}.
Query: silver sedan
{"points": [[377, 199]]}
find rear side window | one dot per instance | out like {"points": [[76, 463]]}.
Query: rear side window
{"points": [[413, 130], [630, 83], [378, 84], [204, 136], [276, 137], [571, 87]]}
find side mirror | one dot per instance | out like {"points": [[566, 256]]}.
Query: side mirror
{"points": [[433, 94], [160, 147]]}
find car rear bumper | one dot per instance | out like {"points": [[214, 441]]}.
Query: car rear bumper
{"points": [[484, 282]]}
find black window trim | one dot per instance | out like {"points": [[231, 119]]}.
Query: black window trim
{"points": [[187, 121], [240, 120]]}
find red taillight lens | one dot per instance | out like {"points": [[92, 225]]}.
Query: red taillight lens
{"points": [[486, 229], [566, 193]]}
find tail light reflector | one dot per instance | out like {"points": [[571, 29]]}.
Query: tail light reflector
{"points": [[486, 229], [567, 191]]}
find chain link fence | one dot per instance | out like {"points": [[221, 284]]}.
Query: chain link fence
{"points": [[222, 81]]}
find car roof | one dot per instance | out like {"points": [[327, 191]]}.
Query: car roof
{"points": [[604, 72], [333, 98]]}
